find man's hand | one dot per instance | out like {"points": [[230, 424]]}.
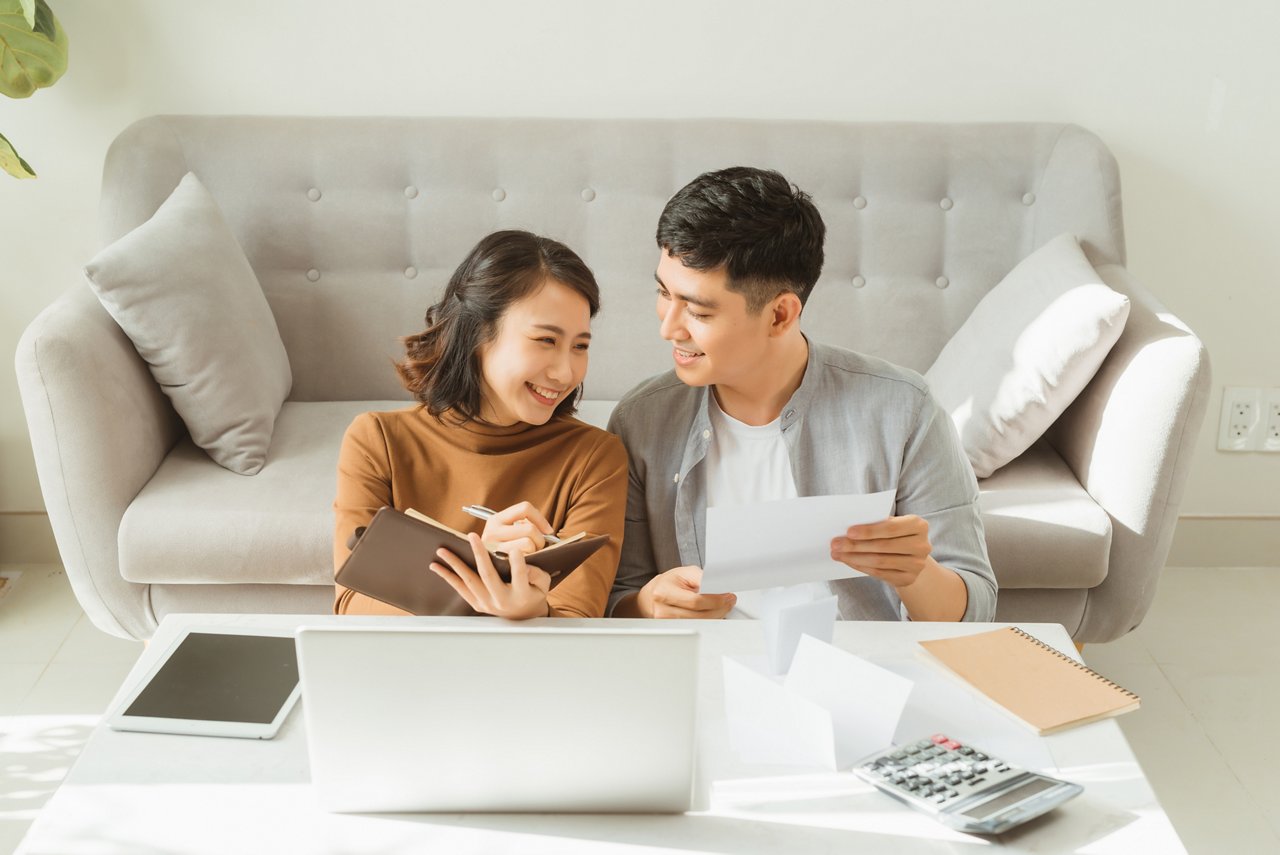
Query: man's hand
{"points": [[525, 597], [896, 550], [519, 528], [677, 594]]}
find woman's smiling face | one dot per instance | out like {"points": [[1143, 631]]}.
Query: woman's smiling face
{"points": [[537, 357]]}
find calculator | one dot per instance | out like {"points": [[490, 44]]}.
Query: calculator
{"points": [[963, 787]]}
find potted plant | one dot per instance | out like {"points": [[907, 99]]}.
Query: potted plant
{"points": [[33, 55]]}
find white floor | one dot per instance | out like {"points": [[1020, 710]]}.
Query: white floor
{"points": [[1203, 662]]}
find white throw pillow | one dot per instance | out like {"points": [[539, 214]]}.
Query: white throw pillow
{"points": [[1030, 346], [182, 290]]}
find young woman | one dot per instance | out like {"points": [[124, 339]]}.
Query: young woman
{"points": [[498, 373]]}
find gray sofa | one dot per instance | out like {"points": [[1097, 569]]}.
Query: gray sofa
{"points": [[353, 224]]}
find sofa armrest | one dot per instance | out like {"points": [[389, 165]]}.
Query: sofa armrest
{"points": [[100, 426], [1129, 439]]}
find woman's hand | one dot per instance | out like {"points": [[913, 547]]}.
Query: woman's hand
{"points": [[519, 528], [525, 597]]}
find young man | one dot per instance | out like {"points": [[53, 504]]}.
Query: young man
{"points": [[754, 411]]}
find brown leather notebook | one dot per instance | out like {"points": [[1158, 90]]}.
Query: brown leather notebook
{"points": [[1039, 684], [390, 562]]}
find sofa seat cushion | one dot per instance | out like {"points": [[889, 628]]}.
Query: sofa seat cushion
{"points": [[1043, 530], [196, 522]]}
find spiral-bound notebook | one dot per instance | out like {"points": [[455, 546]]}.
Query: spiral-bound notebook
{"points": [[1037, 683]]}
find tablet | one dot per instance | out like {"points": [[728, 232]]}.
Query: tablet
{"points": [[215, 682]]}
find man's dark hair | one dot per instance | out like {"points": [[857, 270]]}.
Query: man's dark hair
{"points": [[442, 364], [762, 229]]}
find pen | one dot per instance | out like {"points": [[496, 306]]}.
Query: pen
{"points": [[481, 512]]}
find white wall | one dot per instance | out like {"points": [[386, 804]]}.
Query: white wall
{"points": [[1184, 94]]}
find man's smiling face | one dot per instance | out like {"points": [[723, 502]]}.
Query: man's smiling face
{"points": [[715, 339]]}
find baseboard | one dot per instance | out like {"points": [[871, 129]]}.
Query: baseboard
{"points": [[1205, 541], [26, 538]]}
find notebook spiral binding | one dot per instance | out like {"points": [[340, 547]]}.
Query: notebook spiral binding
{"points": [[1065, 658]]}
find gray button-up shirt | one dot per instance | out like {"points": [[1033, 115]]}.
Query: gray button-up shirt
{"points": [[857, 424]]}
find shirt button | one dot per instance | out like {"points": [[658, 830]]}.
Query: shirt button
{"points": [[789, 414], [676, 478], [706, 434]]}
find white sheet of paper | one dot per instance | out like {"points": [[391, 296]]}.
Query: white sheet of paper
{"points": [[771, 544], [865, 700], [832, 709], [789, 614]]}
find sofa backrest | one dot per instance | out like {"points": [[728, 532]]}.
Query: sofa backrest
{"points": [[353, 225]]}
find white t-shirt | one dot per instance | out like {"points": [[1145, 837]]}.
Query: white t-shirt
{"points": [[748, 464]]}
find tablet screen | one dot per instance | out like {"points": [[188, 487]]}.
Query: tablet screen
{"points": [[216, 677]]}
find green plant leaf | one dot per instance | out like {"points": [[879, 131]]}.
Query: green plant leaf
{"points": [[29, 12], [31, 57], [11, 163]]}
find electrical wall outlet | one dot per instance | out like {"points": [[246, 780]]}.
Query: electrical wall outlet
{"points": [[1240, 408], [1270, 420], [1250, 419]]}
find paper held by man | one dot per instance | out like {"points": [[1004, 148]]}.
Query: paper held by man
{"points": [[771, 544]]}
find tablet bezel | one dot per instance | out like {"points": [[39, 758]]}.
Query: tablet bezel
{"points": [[119, 720]]}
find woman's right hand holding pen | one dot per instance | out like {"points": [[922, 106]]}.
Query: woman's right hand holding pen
{"points": [[519, 528], [484, 590]]}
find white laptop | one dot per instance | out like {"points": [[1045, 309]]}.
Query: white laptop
{"points": [[505, 719]]}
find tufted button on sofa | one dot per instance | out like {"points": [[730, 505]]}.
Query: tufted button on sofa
{"points": [[352, 227]]}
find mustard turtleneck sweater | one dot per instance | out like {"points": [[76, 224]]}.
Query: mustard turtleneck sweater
{"points": [[574, 473]]}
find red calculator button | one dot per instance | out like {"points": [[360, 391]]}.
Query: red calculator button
{"points": [[940, 738], [950, 745]]}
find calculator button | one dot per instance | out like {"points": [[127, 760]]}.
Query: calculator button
{"points": [[951, 745], [980, 756], [966, 750], [939, 738]]}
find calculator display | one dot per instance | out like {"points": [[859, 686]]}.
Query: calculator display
{"points": [[1013, 796]]}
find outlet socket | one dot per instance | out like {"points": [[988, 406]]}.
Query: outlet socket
{"points": [[1240, 407], [1270, 420], [1250, 419]]}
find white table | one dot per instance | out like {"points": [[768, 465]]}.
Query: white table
{"points": [[151, 793]]}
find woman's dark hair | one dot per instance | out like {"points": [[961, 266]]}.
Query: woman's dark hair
{"points": [[764, 231], [442, 365]]}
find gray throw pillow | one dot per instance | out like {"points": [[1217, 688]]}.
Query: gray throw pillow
{"points": [[1027, 350], [182, 290]]}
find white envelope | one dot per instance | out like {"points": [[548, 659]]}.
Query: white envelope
{"points": [[832, 708], [787, 615]]}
